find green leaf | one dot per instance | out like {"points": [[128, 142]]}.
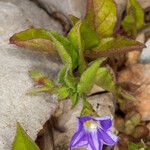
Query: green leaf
{"points": [[62, 92], [61, 49], [74, 19], [105, 80], [89, 36], [114, 46], [134, 20], [62, 74], [22, 140], [74, 98], [132, 146], [71, 50], [105, 16], [70, 81], [90, 15], [36, 39], [138, 146], [129, 23], [88, 77], [75, 37], [87, 109], [37, 76], [40, 90], [41, 79]]}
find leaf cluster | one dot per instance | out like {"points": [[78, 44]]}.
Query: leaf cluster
{"points": [[83, 52]]}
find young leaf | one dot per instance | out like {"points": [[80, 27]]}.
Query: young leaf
{"points": [[75, 37], [87, 109], [39, 90], [135, 17], [105, 80], [62, 92], [89, 36], [132, 146], [41, 79], [68, 47], [62, 74], [61, 49], [74, 19], [37, 76], [88, 77], [70, 81], [114, 46], [37, 39], [129, 23], [105, 16], [22, 140], [138, 146], [74, 98]]}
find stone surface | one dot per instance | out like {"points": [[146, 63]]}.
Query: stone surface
{"points": [[18, 15], [15, 105], [144, 3], [139, 75], [133, 57], [145, 56], [74, 7], [103, 104], [68, 7]]}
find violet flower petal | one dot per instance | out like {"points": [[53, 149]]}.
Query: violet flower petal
{"points": [[85, 118], [78, 140], [105, 122], [108, 138], [94, 142]]}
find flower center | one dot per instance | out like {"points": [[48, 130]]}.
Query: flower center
{"points": [[91, 125]]}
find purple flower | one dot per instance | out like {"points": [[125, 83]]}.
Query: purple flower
{"points": [[93, 132]]}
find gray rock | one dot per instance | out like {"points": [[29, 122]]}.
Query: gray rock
{"points": [[18, 15], [103, 104], [145, 55], [15, 105], [68, 7], [144, 3]]}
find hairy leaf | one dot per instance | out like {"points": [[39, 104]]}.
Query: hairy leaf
{"points": [[62, 92], [37, 76], [70, 80], [61, 49], [89, 36], [37, 39], [39, 90], [134, 20], [88, 77], [105, 80], [138, 146], [72, 51], [114, 46], [74, 98], [41, 79], [22, 140], [88, 110], [62, 74], [104, 13], [75, 37], [74, 19]]}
